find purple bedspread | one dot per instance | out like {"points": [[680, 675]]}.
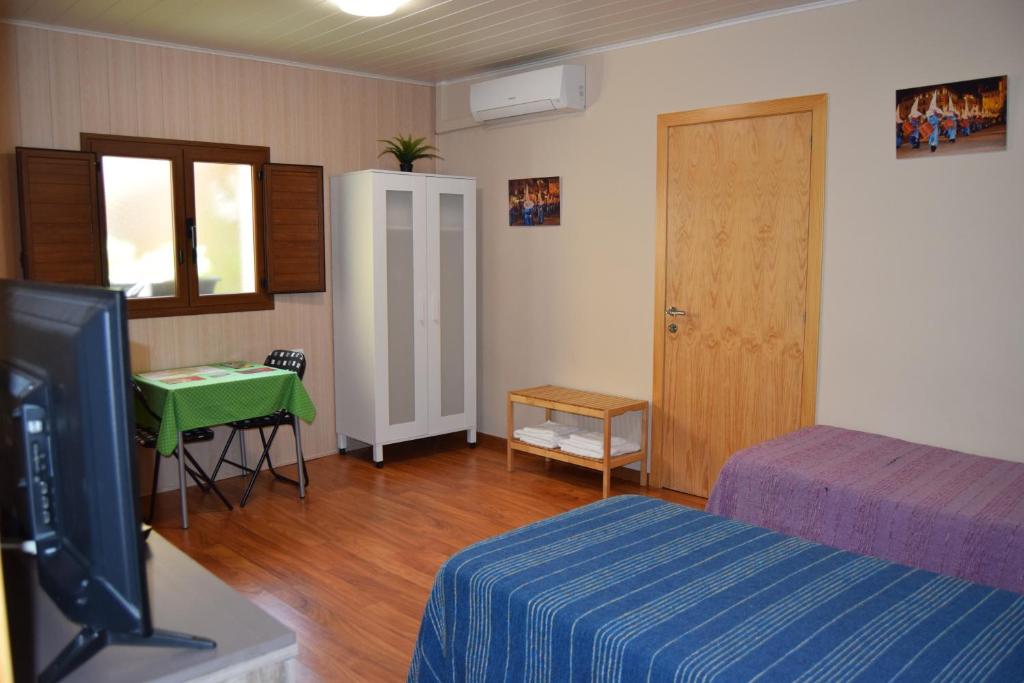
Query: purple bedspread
{"points": [[923, 506]]}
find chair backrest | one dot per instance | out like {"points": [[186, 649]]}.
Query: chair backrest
{"points": [[141, 398], [287, 360]]}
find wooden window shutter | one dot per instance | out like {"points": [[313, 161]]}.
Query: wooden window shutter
{"points": [[293, 214], [60, 228]]}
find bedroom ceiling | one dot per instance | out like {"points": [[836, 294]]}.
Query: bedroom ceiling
{"points": [[425, 40]]}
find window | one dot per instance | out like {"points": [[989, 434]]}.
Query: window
{"points": [[226, 246], [180, 227], [138, 198], [180, 223]]}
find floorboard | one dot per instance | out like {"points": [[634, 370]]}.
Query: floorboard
{"points": [[349, 568]]}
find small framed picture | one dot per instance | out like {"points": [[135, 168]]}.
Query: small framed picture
{"points": [[951, 118], [533, 202]]}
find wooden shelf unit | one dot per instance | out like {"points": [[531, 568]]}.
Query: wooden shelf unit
{"points": [[589, 404]]}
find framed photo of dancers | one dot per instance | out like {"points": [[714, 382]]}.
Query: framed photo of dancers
{"points": [[951, 118], [534, 202]]}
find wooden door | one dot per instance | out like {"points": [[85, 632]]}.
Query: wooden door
{"points": [[739, 269]]}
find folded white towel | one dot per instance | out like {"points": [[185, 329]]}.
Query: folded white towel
{"points": [[585, 452], [534, 440], [549, 430], [596, 440], [585, 444], [592, 453]]}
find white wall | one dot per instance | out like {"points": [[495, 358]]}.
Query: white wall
{"points": [[922, 319]]}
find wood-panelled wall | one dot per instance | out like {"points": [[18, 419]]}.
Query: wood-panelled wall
{"points": [[54, 85]]}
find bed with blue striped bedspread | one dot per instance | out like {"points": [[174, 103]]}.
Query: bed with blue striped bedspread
{"points": [[637, 589]]}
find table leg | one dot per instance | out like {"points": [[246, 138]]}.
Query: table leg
{"points": [[241, 448], [300, 465], [606, 479], [511, 428], [547, 418], [181, 480], [643, 442]]}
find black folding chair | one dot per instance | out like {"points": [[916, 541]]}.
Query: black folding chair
{"points": [[285, 360], [146, 438]]}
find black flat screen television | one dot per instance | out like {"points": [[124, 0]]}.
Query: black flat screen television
{"points": [[68, 462]]}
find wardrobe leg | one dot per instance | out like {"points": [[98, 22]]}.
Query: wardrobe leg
{"points": [[378, 456]]}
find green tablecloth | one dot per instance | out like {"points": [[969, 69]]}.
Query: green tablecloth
{"points": [[222, 395]]}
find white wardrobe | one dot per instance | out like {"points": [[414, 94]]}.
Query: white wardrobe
{"points": [[404, 255]]}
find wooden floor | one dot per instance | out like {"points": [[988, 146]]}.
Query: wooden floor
{"points": [[349, 568]]}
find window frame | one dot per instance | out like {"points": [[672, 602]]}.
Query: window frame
{"points": [[183, 154]]}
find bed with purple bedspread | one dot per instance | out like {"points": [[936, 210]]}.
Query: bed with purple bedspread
{"points": [[927, 507]]}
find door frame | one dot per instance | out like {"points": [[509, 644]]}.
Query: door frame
{"points": [[817, 106]]}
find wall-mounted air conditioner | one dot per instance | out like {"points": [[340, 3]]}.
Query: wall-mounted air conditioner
{"points": [[557, 88]]}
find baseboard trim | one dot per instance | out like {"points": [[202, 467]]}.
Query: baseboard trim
{"points": [[497, 443]]}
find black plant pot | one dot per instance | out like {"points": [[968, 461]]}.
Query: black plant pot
{"points": [[405, 166]]}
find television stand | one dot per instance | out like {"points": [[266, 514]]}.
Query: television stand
{"points": [[90, 641], [251, 644]]}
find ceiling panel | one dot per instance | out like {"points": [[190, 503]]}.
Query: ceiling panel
{"points": [[426, 40]]}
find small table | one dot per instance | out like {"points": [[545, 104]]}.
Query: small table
{"points": [[601, 406], [211, 395]]}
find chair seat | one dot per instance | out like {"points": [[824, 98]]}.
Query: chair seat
{"points": [[283, 417], [146, 437]]}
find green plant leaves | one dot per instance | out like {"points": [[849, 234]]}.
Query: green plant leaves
{"points": [[407, 149]]}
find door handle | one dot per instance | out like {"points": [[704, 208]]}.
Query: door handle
{"points": [[190, 225], [672, 310]]}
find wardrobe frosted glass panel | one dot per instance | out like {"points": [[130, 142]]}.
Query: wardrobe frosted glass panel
{"points": [[401, 313], [453, 331]]}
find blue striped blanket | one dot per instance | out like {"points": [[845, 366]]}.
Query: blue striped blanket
{"points": [[637, 589]]}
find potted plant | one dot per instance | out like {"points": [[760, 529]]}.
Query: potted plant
{"points": [[408, 149]]}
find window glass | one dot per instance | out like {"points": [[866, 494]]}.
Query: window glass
{"points": [[453, 290], [225, 228], [402, 314], [139, 204]]}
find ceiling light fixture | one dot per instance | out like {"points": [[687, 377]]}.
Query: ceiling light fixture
{"points": [[369, 8]]}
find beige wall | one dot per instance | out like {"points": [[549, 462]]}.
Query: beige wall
{"points": [[55, 85], [922, 321]]}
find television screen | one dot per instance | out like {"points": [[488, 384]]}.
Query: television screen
{"points": [[66, 404], [68, 460]]}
